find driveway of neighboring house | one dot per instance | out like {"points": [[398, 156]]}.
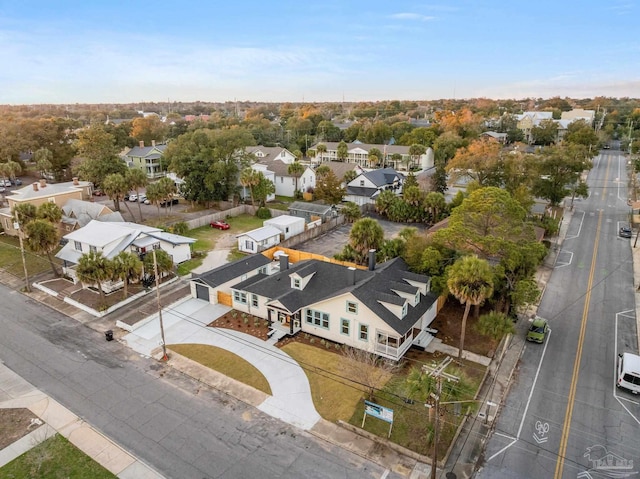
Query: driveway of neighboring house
{"points": [[186, 323]]}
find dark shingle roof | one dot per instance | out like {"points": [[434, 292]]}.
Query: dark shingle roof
{"points": [[383, 176], [229, 271]]}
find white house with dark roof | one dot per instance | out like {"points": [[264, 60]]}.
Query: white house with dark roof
{"points": [[366, 187], [358, 153], [112, 238], [285, 182], [384, 310], [270, 153]]}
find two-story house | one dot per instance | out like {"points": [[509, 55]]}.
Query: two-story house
{"points": [[358, 154], [286, 184], [365, 188], [146, 158]]}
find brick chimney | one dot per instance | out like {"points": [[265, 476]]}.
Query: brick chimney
{"points": [[153, 142], [141, 143], [43, 183], [75, 180], [35, 186]]}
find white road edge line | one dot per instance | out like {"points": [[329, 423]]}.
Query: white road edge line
{"points": [[579, 229], [526, 409]]}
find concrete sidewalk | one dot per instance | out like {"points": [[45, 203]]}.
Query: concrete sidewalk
{"points": [[15, 392]]}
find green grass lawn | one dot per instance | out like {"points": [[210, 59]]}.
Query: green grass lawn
{"points": [[55, 458], [224, 362], [11, 260]]}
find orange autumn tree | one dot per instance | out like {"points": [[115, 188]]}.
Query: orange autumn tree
{"points": [[479, 161]]}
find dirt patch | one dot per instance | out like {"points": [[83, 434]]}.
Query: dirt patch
{"points": [[448, 323], [15, 423]]}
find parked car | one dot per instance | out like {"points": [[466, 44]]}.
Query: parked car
{"points": [[172, 201], [625, 232], [17, 182], [6, 183], [142, 198], [2, 189], [221, 225], [147, 201], [538, 330], [98, 192], [133, 197]]}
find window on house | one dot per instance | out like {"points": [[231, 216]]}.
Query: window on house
{"points": [[364, 332], [156, 246], [417, 297], [352, 307], [78, 245], [282, 179], [345, 326], [240, 297], [361, 182], [254, 300], [93, 249], [296, 283], [317, 318], [286, 230], [405, 307]]}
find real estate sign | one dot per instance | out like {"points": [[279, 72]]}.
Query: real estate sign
{"points": [[377, 411]]}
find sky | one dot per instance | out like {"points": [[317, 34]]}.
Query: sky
{"points": [[115, 51]]}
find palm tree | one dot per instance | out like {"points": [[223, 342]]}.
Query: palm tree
{"points": [[396, 157], [154, 195], [163, 260], [116, 187], [167, 189], [296, 169], [42, 238], [126, 266], [24, 212], [93, 268], [416, 151], [50, 212], [342, 151], [374, 157], [249, 178], [137, 179], [470, 280], [366, 234], [321, 148]]}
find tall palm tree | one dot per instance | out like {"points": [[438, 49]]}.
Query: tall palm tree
{"points": [[374, 157], [50, 212], [126, 266], [116, 187], [167, 189], [296, 169], [342, 151], [42, 238], [137, 179], [321, 148], [249, 179], [94, 268], [154, 195], [470, 280], [163, 260]]}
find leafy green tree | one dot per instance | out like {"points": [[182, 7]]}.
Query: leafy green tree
{"points": [[342, 151], [545, 133], [50, 212], [435, 206], [446, 146], [155, 195], [351, 211], [136, 179], [149, 129], [410, 181], [495, 325], [321, 148], [163, 260], [579, 132], [470, 280], [375, 155], [296, 169], [415, 152], [327, 131], [116, 186], [349, 176], [263, 189], [94, 268], [366, 234], [329, 188], [96, 144], [126, 267], [24, 213], [439, 179], [43, 158], [167, 189], [43, 238], [558, 167]]}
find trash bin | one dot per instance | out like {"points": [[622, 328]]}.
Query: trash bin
{"points": [[108, 335]]}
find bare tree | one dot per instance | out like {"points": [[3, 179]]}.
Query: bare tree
{"points": [[368, 369]]}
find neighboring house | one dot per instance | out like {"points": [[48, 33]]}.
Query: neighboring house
{"points": [[77, 213], [312, 211], [215, 286], [43, 192], [501, 137], [284, 182], [147, 159], [245, 192], [258, 240], [358, 153], [579, 114], [270, 153], [383, 310], [112, 238], [529, 119], [288, 225], [340, 168], [366, 187]]}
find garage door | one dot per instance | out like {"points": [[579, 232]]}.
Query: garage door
{"points": [[202, 292]]}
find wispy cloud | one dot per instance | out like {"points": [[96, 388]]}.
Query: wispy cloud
{"points": [[412, 16], [622, 7]]}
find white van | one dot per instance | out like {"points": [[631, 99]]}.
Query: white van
{"points": [[629, 372]]}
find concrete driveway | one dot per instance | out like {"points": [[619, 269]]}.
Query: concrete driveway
{"points": [[186, 323]]}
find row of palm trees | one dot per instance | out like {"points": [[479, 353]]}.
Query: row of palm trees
{"points": [[126, 266]]}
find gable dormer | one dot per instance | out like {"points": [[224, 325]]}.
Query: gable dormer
{"points": [[300, 281], [396, 305], [410, 292]]}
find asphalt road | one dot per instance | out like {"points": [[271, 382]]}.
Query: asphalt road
{"points": [[564, 417], [174, 424]]}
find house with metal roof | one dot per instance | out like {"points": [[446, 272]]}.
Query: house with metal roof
{"points": [[258, 240], [78, 213], [288, 225], [312, 211], [384, 310], [367, 186]]}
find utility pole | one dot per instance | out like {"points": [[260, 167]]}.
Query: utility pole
{"points": [[16, 225], [438, 373], [155, 271]]}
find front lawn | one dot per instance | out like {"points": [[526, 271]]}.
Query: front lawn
{"points": [[11, 260], [55, 458], [224, 362]]}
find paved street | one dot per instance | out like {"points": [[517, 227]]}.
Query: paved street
{"points": [[178, 426], [564, 417]]}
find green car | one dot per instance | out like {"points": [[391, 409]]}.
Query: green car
{"points": [[538, 330]]}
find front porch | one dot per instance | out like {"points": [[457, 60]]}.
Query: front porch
{"points": [[394, 347]]}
